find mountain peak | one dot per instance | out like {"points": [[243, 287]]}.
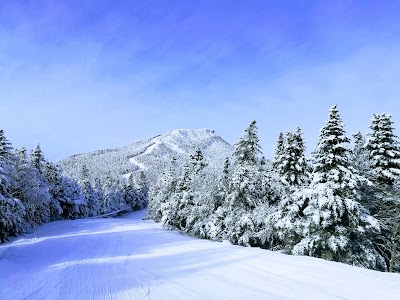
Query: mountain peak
{"points": [[151, 155], [194, 133]]}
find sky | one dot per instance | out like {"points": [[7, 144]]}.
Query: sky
{"points": [[77, 76]]}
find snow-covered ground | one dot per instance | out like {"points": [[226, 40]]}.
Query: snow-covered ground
{"points": [[128, 258]]}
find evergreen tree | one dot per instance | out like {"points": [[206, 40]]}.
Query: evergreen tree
{"points": [[73, 201], [335, 223], [54, 177], [92, 201], [11, 209], [113, 199], [290, 161], [182, 200], [384, 151], [195, 203], [131, 194], [32, 188], [383, 195], [5, 147], [167, 205], [98, 192], [159, 205], [37, 158], [244, 192], [22, 155], [247, 148], [280, 145], [143, 191], [197, 160], [217, 229]]}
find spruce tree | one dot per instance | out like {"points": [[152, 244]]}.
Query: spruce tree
{"points": [[217, 229], [182, 199], [143, 191], [247, 148], [244, 192], [290, 161], [37, 158], [131, 193], [383, 195], [160, 204], [5, 146], [196, 202], [384, 151], [53, 175], [11, 209], [280, 145], [197, 161], [92, 201]]}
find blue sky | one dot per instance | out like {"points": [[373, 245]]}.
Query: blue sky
{"points": [[77, 76]]}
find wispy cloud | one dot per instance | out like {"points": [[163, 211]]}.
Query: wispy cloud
{"points": [[83, 77]]}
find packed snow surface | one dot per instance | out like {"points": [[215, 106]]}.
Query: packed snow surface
{"points": [[128, 258]]}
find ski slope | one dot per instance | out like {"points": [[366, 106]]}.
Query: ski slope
{"points": [[128, 258]]}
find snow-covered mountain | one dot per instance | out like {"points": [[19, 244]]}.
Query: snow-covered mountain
{"points": [[150, 156]]}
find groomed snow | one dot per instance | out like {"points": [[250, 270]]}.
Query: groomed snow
{"points": [[128, 258]]}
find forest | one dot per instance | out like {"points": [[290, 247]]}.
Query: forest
{"points": [[34, 191], [340, 204]]}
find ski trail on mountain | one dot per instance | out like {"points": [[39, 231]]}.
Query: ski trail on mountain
{"points": [[148, 150], [131, 258]]}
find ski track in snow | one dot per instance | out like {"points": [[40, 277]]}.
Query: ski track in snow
{"points": [[149, 149], [155, 142], [128, 258]]}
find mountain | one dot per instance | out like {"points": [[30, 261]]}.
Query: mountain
{"points": [[150, 156]]}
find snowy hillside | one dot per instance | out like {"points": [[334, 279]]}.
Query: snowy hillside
{"points": [[150, 155], [128, 258]]}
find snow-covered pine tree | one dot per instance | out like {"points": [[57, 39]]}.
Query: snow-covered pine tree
{"points": [[335, 223], [92, 201], [384, 152], [169, 201], [5, 147], [197, 161], [383, 195], [98, 191], [196, 201], [73, 201], [161, 194], [37, 158], [32, 188], [143, 191], [54, 177], [113, 199], [220, 207], [182, 201], [11, 209], [290, 161], [131, 194], [280, 145], [285, 218], [244, 192]]}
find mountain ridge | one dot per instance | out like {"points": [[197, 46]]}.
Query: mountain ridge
{"points": [[149, 155]]}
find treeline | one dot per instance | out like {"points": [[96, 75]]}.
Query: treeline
{"points": [[34, 191], [342, 204]]}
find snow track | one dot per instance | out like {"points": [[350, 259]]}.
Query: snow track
{"points": [[128, 258], [148, 150]]}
